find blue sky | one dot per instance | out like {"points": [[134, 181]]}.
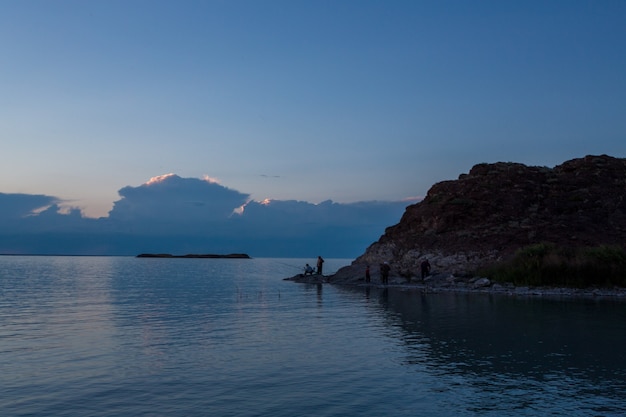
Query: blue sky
{"points": [[301, 100]]}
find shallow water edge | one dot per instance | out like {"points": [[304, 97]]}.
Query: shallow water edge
{"points": [[448, 283]]}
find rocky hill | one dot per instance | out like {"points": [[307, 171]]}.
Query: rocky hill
{"points": [[486, 215]]}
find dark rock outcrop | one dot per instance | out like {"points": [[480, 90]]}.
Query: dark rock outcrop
{"points": [[486, 215]]}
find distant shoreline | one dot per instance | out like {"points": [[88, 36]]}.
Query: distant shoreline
{"points": [[193, 256]]}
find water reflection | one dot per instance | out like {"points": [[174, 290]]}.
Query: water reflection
{"points": [[499, 342]]}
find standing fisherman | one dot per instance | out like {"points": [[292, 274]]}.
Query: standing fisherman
{"points": [[320, 263], [384, 272], [425, 265]]}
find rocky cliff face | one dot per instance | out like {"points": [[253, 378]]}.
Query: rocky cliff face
{"points": [[489, 213]]}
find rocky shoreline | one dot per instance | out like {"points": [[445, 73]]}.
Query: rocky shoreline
{"points": [[449, 283]]}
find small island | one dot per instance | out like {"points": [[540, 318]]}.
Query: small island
{"points": [[192, 255]]}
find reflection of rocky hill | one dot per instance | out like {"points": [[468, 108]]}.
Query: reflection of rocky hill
{"points": [[498, 337], [495, 209]]}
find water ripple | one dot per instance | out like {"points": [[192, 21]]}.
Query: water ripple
{"points": [[125, 336]]}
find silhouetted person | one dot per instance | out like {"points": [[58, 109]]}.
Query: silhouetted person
{"points": [[384, 272], [425, 265], [367, 274], [320, 264], [308, 270]]}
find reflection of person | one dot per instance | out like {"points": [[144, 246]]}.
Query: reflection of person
{"points": [[367, 274], [320, 262], [308, 270], [425, 265], [384, 272]]}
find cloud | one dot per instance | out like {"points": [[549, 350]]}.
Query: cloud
{"points": [[189, 215], [16, 206], [309, 216], [301, 228], [169, 200]]}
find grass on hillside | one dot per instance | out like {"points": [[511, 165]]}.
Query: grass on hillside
{"points": [[545, 264]]}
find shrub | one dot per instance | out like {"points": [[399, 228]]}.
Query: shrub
{"points": [[545, 264]]}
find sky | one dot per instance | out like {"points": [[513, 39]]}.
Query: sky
{"points": [[310, 101]]}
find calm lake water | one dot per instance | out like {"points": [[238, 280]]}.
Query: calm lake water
{"points": [[121, 336]]}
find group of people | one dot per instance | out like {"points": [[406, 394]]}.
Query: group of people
{"points": [[308, 269], [385, 269]]}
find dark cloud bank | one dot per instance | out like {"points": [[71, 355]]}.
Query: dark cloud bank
{"points": [[178, 215]]}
